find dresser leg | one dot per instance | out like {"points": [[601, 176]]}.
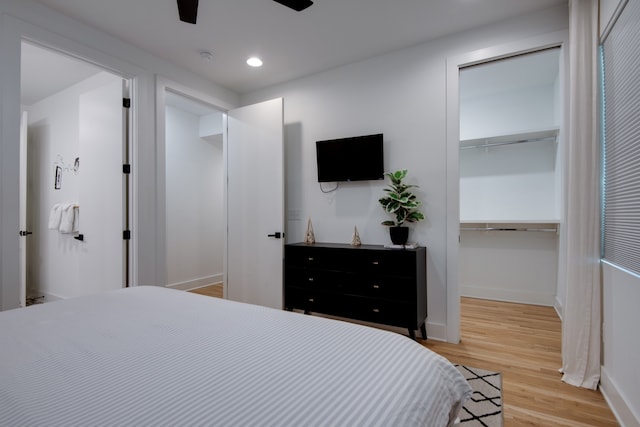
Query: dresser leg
{"points": [[412, 334], [423, 331]]}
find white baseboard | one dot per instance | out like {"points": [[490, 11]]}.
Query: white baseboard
{"points": [[197, 283], [616, 401], [50, 297], [558, 306], [437, 331], [524, 297]]}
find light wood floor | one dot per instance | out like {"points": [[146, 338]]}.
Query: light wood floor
{"points": [[214, 290], [523, 343]]}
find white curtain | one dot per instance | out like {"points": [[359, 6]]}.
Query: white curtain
{"points": [[581, 315]]}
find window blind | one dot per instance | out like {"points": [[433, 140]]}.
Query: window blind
{"points": [[621, 137]]}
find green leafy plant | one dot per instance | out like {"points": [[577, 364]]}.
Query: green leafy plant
{"points": [[400, 200]]}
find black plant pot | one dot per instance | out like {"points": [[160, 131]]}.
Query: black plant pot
{"points": [[399, 235]]}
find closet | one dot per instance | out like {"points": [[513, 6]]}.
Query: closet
{"points": [[510, 178]]}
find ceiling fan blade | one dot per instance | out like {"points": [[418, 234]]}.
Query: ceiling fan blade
{"points": [[188, 10], [296, 5]]}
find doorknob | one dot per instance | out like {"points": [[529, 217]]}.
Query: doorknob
{"points": [[277, 235], [24, 233]]}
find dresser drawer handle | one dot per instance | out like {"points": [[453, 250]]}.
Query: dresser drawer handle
{"points": [[310, 299], [376, 286], [376, 310], [375, 262], [310, 258], [311, 279]]}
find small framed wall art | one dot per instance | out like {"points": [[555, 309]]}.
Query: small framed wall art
{"points": [[57, 178]]}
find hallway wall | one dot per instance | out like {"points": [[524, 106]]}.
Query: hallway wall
{"points": [[194, 187]]}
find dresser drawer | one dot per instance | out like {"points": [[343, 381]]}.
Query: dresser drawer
{"points": [[310, 257], [328, 280], [362, 284], [314, 300], [394, 263], [385, 312], [385, 287]]}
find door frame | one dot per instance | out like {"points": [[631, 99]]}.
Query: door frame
{"points": [[126, 147], [453, 66], [13, 32], [162, 86]]}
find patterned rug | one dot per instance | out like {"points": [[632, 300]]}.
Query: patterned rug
{"points": [[484, 409]]}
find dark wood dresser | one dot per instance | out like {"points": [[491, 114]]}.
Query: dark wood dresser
{"points": [[369, 283]]}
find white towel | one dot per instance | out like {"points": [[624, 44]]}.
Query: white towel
{"points": [[55, 216], [76, 218], [68, 223]]}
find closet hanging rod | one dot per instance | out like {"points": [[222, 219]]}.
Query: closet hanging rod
{"points": [[518, 141], [547, 230]]}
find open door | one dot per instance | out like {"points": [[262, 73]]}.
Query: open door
{"points": [[102, 195], [255, 203]]}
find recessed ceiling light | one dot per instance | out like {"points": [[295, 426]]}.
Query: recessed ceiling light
{"points": [[254, 62]]}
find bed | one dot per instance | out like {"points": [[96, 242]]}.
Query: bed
{"points": [[149, 356]]}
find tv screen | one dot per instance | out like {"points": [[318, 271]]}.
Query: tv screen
{"points": [[358, 158]]}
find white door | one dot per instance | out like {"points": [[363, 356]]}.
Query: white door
{"points": [[101, 199], [24, 123], [255, 203]]}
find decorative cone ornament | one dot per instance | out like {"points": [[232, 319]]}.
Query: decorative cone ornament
{"points": [[309, 238], [355, 240]]}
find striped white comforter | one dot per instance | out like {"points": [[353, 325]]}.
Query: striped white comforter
{"points": [[149, 356]]}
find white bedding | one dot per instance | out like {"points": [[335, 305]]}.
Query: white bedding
{"points": [[148, 356]]}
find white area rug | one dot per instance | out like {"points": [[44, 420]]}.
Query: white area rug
{"points": [[484, 409]]}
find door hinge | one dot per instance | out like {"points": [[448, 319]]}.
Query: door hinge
{"points": [[126, 235], [126, 102], [126, 168]]}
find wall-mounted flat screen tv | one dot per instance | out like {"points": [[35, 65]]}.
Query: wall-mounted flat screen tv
{"points": [[359, 158]]}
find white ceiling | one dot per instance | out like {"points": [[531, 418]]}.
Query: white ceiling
{"points": [[292, 44], [189, 105], [44, 73]]}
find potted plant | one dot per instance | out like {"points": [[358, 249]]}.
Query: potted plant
{"points": [[402, 204]]}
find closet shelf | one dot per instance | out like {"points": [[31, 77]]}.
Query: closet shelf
{"points": [[510, 225], [516, 138], [509, 221]]}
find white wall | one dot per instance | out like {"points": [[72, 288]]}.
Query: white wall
{"points": [[515, 266], [35, 22], [402, 95], [511, 182], [620, 380], [509, 112], [210, 125], [194, 199]]}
